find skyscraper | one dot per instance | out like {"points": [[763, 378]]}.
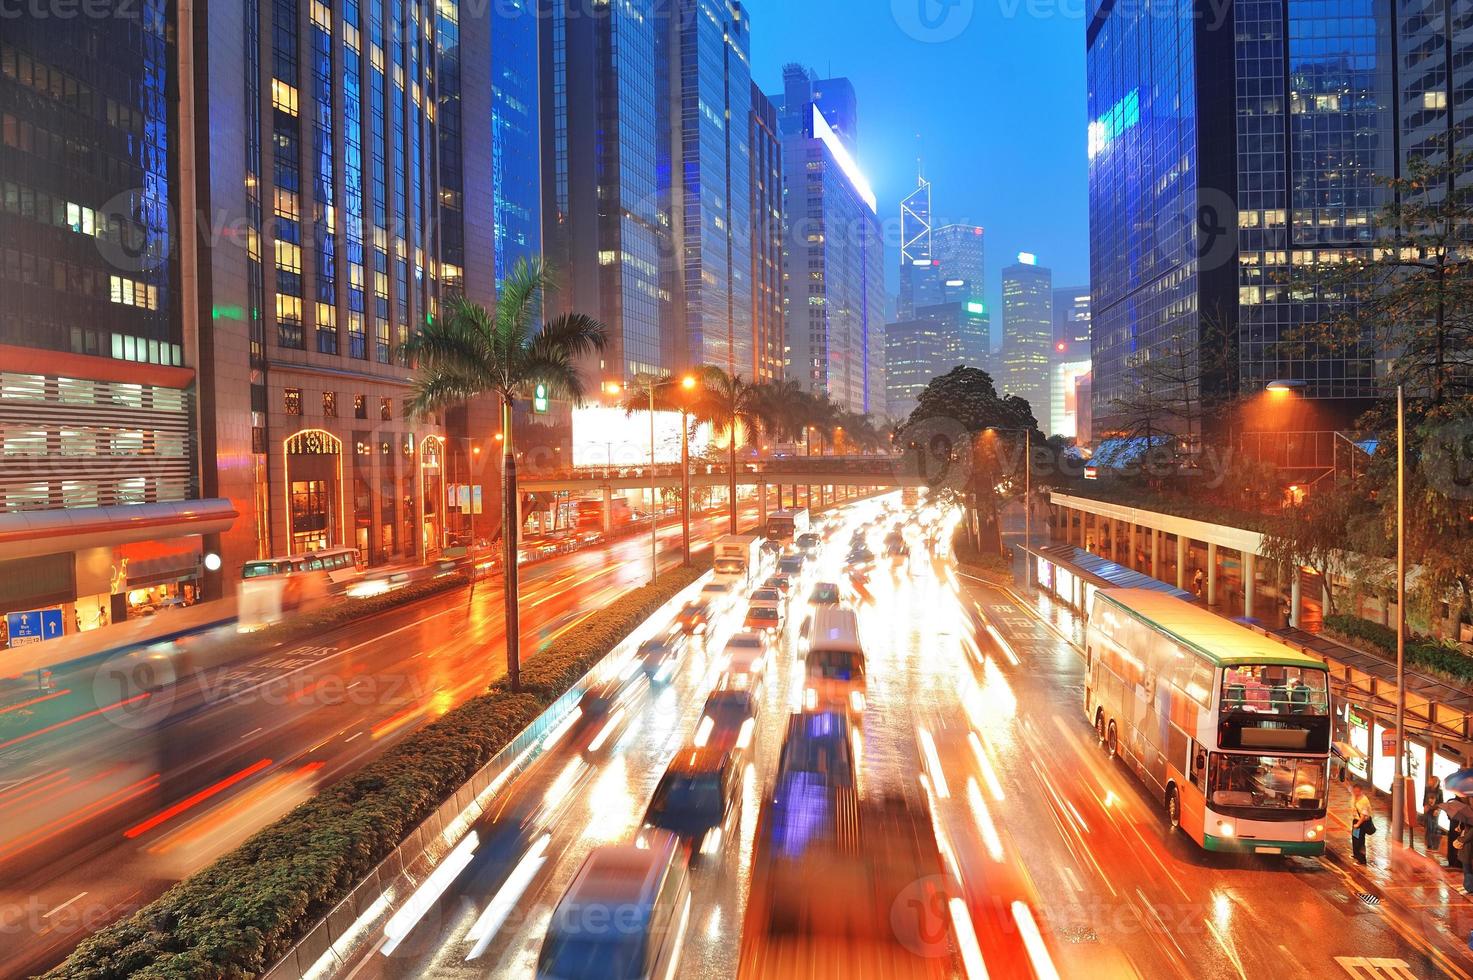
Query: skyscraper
{"points": [[919, 285], [1070, 357], [834, 254], [605, 228], [1195, 234], [767, 211], [930, 343], [960, 253], [516, 144], [704, 168], [1028, 333], [99, 492], [324, 135]]}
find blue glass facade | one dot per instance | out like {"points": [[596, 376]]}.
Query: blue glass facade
{"points": [[1143, 180], [515, 133], [1230, 152], [705, 184]]}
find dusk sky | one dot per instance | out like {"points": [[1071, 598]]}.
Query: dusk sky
{"points": [[999, 108]]}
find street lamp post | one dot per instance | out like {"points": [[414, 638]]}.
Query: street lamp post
{"points": [[1398, 797], [651, 385]]}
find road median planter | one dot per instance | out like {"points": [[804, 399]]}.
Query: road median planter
{"points": [[285, 892]]}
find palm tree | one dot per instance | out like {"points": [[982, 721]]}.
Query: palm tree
{"points": [[730, 405], [472, 351]]}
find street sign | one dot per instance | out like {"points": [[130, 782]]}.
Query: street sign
{"points": [[1388, 744], [539, 399], [33, 626]]}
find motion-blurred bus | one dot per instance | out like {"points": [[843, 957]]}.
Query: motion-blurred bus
{"points": [[785, 525], [1228, 728]]}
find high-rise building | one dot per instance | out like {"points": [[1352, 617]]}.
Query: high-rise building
{"points": [[935, 340], [101, 507], [1028, 333], [704, 167], [648, 184], [767, 211], [959, 251], [836, 99], [325, 133], [1213, 187], [516, 127], [919, 285], [604, 225], [834, 253], [1070, 357]]}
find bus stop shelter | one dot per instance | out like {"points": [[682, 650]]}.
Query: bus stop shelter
{"points": [[1071, 575]]}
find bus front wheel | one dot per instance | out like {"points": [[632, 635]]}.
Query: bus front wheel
{"points": [[1112, 742], [1173, 808]]}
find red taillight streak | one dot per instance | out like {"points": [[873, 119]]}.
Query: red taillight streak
{"points": [[61, 824], [199, 797]]}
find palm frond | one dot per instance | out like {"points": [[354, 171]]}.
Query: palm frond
{"points": [[518, 302]]}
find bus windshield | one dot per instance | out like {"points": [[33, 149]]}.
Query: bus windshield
{"points": [[1275, 689], [1266, 782]]}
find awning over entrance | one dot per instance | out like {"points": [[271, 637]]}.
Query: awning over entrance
{"points": [[47, 532], [1102, 573]]}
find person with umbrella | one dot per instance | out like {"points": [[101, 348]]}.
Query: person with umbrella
{"points": [[1459, 814]]}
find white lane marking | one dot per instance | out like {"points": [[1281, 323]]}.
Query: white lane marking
{"points": [[1372, 968], [63, 905]]}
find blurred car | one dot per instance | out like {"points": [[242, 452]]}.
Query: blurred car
{"points": [[772, 548], [824, 594], [718, 596], [768, 595], [860, 559], [624, 915], [819, 744], [694, 618], [783, 584], [792, 565], [605, 710], [659, 656], [809, 543], [697, 799], [746, 654], [764, 616], [728, 721]]}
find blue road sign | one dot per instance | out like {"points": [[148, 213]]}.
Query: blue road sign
{"points": [[33, 626]]}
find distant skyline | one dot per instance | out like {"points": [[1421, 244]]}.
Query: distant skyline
{"points": [[1000, 109]]}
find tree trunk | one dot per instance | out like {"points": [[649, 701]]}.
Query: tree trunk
{"points": [[731, 475], [510, 531]]}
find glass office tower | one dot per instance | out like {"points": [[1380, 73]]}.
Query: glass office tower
{"points": [[1228, 153]]}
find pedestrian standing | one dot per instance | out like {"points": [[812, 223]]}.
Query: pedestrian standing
{"points": [[1454, 831], [1465, 848], [1360, 821], [1431, 799]]}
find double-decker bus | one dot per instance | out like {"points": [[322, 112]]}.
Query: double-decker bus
{"points": [[1227, 727]]}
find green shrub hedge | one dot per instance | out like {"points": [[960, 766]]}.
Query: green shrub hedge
{"points": [[1438, 658], [238, 916]]}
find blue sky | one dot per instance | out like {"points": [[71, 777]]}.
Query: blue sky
{"points": [[994, 88]]}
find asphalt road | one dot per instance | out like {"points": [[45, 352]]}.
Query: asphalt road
{"points": [[1064, 863], [108, 800]]}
